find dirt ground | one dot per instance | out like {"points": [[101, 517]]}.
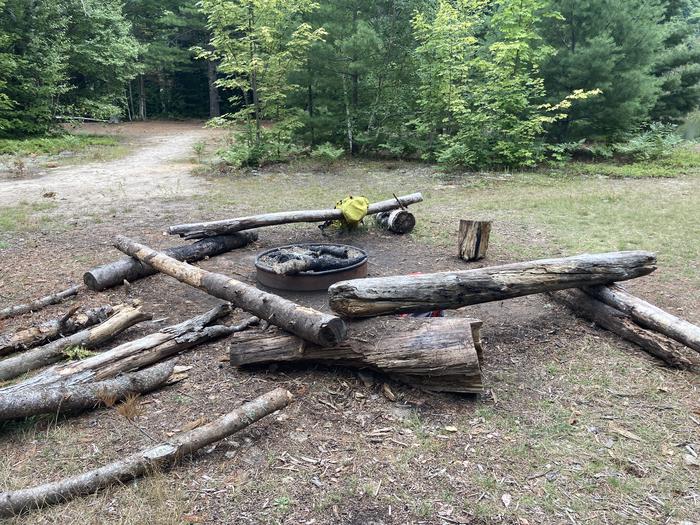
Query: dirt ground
{"points": [[576, 425]]}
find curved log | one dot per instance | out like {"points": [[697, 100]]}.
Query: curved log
{"points": [[55, 298]]}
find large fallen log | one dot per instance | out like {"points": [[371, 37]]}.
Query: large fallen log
{"points": [[438, 354], [307, 323], [622, 324], [123, 318], [70, 323], [145, 462], [62, 398], [433, 291], [55, 298], [648, 315], [130, 269], [198, 230]]}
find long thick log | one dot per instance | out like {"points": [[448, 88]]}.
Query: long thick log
{"points": [[130, 269], [55, 298], [438, 354], [123, 318], [622, 324], [198, 230], [68, 324], [62, 398], [427, 292], [307, 323], [647, 315], [145, 462]]}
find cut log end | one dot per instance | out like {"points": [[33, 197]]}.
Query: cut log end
{"points": [[473, 239], [396, 221]]}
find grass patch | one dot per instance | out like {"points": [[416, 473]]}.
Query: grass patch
{"points": [[25, 217], [53, 145]]}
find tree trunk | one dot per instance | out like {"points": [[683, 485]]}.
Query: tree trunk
{"points": [[34, 306], [130, 269], [146, 461], [214, 106], [307, 323], [206, 229], [439, 354], [142, 98], [648, 315], [473, 239], [396, 221], [434, 291]]}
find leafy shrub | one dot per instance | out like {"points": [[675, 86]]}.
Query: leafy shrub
{"points": [[658, 141], [327, 152]]}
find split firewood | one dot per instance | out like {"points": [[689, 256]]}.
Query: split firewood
{"points": [[396, 221], [130, 269], [145, 462], [317, 258], [207, 229], [70, 323], [433, 291], [124, 317], [39, 303], [63, 398], [648, 315], [473, 239], [438, 354], [307, 323]]}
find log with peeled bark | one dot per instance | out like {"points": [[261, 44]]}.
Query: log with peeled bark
{"points": [[130, 269], [433, 291], [124, 317], [70, 323], [307, 323], [147, 461], [62, 398], [647, 315], [438, 354], [207, 229], [55, 298], [621, 323], [396, 221], [473, 240]]}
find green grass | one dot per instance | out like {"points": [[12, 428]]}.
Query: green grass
{"points": [[683, 160], [25, 217], [52, 145]]}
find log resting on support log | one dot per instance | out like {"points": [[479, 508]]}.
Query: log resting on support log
{"points": [[307, 323], [396, 221], [145, 462], [207, 229], [438, 354], [55, 298], [130, 269], [473, 240], [434, 291]]}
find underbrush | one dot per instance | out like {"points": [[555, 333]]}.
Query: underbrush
{"points": [[52, 145], [682, 160]]}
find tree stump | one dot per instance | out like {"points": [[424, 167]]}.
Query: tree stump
{"points": [[473, 239]]}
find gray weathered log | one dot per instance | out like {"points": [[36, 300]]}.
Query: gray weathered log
{"points": [[648, 315], [307, 323], [130, 269], [207, 229], [68, 324], [123, 318], [147, 461], [427, 292], [62, 398], [438, 354], [396, 221], [55, 298], [473, 240]]}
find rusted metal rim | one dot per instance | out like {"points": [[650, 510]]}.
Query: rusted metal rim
{"points": [[309, 281]]}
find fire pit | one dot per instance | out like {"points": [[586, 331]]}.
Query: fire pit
{"points": [[309, 267]]}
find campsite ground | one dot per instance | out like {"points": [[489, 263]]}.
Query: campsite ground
{"points": [[576, 427]]}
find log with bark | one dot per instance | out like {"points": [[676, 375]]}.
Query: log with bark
{"points": [[207, 229], [55, 298], [427, 292], [70, 323], [145, 462], [397, 221], [307, 323], [438, 354], [124, 317], [473, 240], [317, 258], [130, 269]]}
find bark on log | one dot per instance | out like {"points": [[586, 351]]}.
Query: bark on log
{"points": [[307, 323], [55, 298], [622, 324], [473, 239], [145, 462], [69, 324], [396, 221], [62, 398], [427, 292], [207, 229], [130, 269], [439, 354], [123, 318], [647, 315]]}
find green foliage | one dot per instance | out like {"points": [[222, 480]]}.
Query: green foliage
{"points": [[76, 353], [51, 145], [327, 152], [658, 141]]}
